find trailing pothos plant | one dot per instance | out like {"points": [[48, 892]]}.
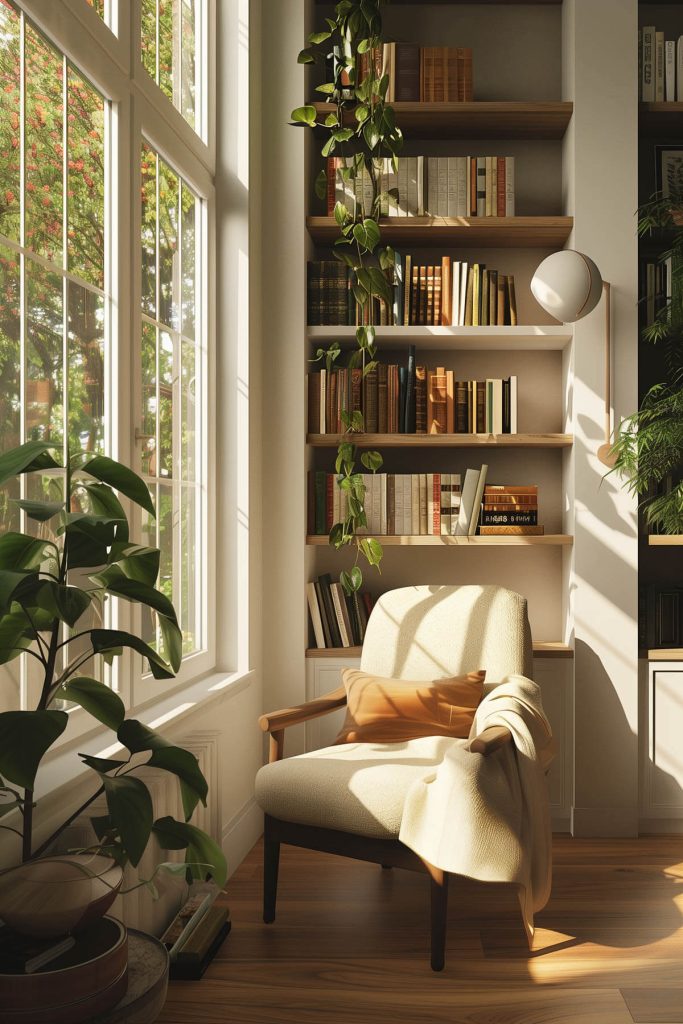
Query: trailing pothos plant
{"points": [[55, 580], [360, 127], [649, 445]]}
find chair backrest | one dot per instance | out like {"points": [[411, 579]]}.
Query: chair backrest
{"points": [[433, 632]]}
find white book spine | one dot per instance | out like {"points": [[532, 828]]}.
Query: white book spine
{"points": [[402, 210], [452, 207], [469, 491], [442, 197], [432, 185], [337, 599], [315, 615], [509, 186], [398, 504], [411, 206], [323, 400], [670, 70], [455, 501], [415, 504], [497, 406], [659, 67], [455, 293], [429, 502], [648, 68], [407, 511], [420, 186], [376, 504], [445, 504], [391, 185], [461, 186], [463, 292], [476, 505], [481, 186], [383, 504], [513, 404]]}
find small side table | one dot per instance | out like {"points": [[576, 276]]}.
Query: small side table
{"points": [[147, 982]]}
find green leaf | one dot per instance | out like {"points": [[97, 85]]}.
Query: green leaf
{"points": [[18, 551], [372, 233], [387, 258], [27, 458], [304, 115], [380, 285], [130, 809], [98, 700], [16, 636], [40, 511], [329, 147], [305, 57], [341, 214], [25, 737], [372, 549], [133, 590], [316, 38], [200, 848], [327, 88], [370, 134], [121, 479], [104, 502], [111, 640], [69, 602], [331, 121], [372, 461], [184, 765], [351, 580], [336, 535], [320, 185], [364, 45], [343, 134], [360, 295], [138, 737], [101, 764], [9, 583], [362, 113], [135, 561]]}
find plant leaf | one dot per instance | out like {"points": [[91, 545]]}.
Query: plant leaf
{"points": [[111, 640], [98, 700], [183, 764], [19, 551], [25, 737], [304, 115], [121, 479], [372, 461], [320, 185], [27, 458], [130, 809], [352, 579], [101, 764], [41, 511], [200, 848]]}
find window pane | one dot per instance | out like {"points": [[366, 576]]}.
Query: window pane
{"points": [[149, 230], [85, 180], [10, 142], [168, 49], [44, 398], [86, 369], [149, 399], [169, 265], [165, 404], [98, 6], [44, 152], [10, 380], [188, 211]]}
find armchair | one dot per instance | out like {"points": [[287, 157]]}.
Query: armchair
{"points": [[348, 799]]}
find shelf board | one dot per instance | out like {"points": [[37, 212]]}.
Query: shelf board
{"points": [[542, 649], [510, 119], [660, 119], [443, 440], [547, 540], [494, 339], [664, 654], [494, 232], [661, 540]]}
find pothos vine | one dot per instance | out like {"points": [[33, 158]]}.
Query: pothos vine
{"points": [[360, 119]]}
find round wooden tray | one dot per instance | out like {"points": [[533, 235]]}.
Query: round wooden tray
{"points": [[147, 983], [87, 980]]}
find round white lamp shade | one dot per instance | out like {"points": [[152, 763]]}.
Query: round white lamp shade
{"points": [[568, 285]]}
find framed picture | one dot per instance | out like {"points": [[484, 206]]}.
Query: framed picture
{"points": [[669, 171]]}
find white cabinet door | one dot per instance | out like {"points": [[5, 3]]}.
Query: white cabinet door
{"points": [[662, 775]]}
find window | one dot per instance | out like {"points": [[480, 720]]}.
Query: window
{"points": [[103, 301]]}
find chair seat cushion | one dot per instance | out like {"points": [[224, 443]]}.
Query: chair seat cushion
{"points": [[355, 787]]}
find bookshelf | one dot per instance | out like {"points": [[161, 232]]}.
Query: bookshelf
{"points": [[548, 539], [459, 232], [407, 441], [452, 339]]}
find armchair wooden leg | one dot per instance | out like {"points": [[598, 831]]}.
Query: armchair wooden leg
{"points": [[439, 914], [271, 861]]}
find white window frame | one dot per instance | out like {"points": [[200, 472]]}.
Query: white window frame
{"points": [[140, 111]]}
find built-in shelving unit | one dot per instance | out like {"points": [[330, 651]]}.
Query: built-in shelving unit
{"points": [[459, 232], [661, 120], [453, 339], [660, 540], [512, 119], [443, 440], [491, 540]]}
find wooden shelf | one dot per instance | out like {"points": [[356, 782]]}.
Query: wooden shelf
{"points": [[661, 540], [547, 540], [476, 120], [664, 654], [495, 339], [542, 649], [661, 119], [460, 232], [443, 440]]}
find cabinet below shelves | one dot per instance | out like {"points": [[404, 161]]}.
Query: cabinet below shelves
{"points": [[390, 540], [542, 649], [443, 440], [460, 232]]}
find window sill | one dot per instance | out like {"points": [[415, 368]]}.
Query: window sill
{"points": [[164, 714]]}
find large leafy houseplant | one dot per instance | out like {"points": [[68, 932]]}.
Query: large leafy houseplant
{"points": [[55, 581], [649, 445], [360, 127]]}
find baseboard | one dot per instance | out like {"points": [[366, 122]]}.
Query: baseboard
{"points": [[660, 826], [604, 822], [560, 823], [241, 833]]}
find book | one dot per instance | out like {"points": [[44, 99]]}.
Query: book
{"points": [[467, 500], [659, 67], [519, 531], [410, 409], [670, 70], [420, 400], [325, 582], [316, 619], [474, 518], [341, 614], [22, 955], [679, 69], [185, 921], [648, 64], [407, 72]]}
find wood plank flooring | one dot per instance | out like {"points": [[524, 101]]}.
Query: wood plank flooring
{"points": [[350, 945]]}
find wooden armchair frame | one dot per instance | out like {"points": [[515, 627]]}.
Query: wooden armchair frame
{"points": [[387, 852]]}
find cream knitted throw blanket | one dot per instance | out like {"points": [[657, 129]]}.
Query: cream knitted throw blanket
{"points": [[487, 817]]}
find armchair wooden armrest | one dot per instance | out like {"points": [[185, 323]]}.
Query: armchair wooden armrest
{"points": [[489, 740], [276, 722]]}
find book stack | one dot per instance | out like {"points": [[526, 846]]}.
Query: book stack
{"points": [[195, 935], [438, 186], [660, 64], [402, 504], [338, 619], [655, 287], [510, 509], [445, 293], [432, 74], [411, 399]]}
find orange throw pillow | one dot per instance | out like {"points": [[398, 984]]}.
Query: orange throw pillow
{"points": [[393, 710]]}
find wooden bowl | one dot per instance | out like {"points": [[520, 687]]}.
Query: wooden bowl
{"points": [[57, 895]]}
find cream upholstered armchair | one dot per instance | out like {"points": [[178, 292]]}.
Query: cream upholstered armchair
{"points": [[349, 799]]}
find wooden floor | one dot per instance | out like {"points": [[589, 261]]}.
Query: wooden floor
{"points": [[350, 946]]}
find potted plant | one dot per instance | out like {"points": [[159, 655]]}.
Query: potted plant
{"points": [[51, 582], [649, 445]]}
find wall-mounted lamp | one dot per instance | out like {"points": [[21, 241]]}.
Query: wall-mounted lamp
{"points": [[568, 285]]}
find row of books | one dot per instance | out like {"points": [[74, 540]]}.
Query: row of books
{"points": [[450, 293], [338, 619], [415, 73], [437, 186], [657, 283], [195, 934], [411, 399], [660, 66], [426, 504]]}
